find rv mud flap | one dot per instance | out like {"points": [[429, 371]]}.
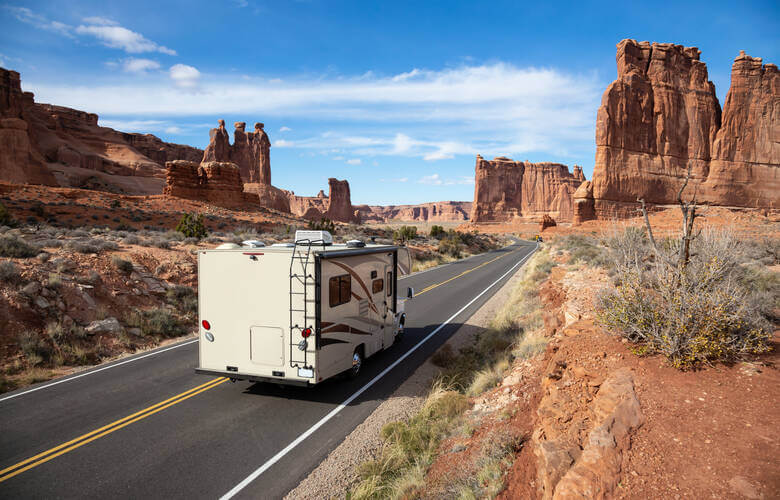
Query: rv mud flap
{"points": [[253, 378]]}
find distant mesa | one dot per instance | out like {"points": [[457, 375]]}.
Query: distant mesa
{"points": [[507, 190], [662, 115], [58, 146], [439, 211]]}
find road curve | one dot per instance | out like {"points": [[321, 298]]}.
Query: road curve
{"points": [[148, 426]]}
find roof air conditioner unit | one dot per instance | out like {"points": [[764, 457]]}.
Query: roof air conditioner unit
{"points": [[316, 237]]}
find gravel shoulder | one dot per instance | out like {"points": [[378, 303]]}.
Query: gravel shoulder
{"points": [[338, 472]]}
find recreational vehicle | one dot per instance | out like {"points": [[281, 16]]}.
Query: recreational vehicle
{"points": [[298, 313]]}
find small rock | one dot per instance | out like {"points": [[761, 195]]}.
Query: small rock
{"points": [[744, 487], [41, 302], [136, 332], [108, 325], [60, 305], [46, 292], [31, 289]]}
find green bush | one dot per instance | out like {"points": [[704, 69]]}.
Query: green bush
{"points": [[405, 233], [122, 265], [437, 232], [15, 247], [159, 322], [191, 226], [324, 224], [9, 273], [184, 298], [451, 246]]}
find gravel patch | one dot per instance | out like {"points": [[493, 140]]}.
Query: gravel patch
{"points": [[337, 473]]}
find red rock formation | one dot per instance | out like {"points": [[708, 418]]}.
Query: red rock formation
{"points": [[547, 221], [20, 162], [661, 115], [269, 196], [337, 206], [440, 211], [216, 182], [250, 151], [506, 189], [68, 147]]}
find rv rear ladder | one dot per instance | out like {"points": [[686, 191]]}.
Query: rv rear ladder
{"points": [[300, 280]]}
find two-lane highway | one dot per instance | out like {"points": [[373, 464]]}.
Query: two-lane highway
{"points": [[148, 426]]}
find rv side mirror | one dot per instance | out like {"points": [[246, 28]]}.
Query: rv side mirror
{"points": [[409, 293]]}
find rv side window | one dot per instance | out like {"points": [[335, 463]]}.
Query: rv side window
{"points": [[389, 283], [340, 290], [377, 285]]}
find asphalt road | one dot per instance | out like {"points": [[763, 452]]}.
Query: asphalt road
{"points": [[149, 427]]}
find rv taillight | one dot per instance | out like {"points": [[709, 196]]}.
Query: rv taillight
{"points": [[206, 324], [306, 332]]}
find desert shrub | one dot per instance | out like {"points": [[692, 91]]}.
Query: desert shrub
{"points": [[55, 281], [404, 234], [437, 232], [131, 239], [160, 243], [34, 348], [9, 273], [91, 245], [93, 277], [122, 265], [444, 356], [324, 224], [13, 246], [5, 216], [191, 226], [584, 249], [183, 298], [159, 322], [43, 257], [450, 246], [699, 312]]}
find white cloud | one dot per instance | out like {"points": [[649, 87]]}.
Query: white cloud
{"points": [[184, 76], [285, 129], [26, 15], [433, 180], [139, 65], [338, 158], [493, 109], [100, 21], [403, 179], [281, 143], [354, 161], [144, 126], [118, 37], [173, 130]]}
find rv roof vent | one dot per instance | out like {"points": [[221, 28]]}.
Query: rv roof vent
{"points": [[355, 244], [253, 243], [285, 245], [320, 237], [228, 246]]}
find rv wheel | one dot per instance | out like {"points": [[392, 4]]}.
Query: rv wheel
{"points": [[357, 362]]}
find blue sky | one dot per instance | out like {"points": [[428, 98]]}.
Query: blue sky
{"points": [[397, 97]]}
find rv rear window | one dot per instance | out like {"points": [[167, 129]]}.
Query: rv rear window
{"points": [[377, 285], [340, 290]]}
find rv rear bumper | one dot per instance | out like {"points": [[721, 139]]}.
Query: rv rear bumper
{"points": [[253, 378]]}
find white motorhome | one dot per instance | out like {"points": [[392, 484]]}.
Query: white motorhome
{"points": [[297, 313]]}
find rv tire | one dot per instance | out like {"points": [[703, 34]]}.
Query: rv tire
{"points": [[357, 362]]}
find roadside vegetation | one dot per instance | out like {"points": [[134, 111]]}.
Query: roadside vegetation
{"points": [[410, 447]]}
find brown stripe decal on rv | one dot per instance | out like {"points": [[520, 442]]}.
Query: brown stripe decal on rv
{"points": [[342, 328]]}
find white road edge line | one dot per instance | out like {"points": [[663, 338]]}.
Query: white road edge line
{"points": [[90, 372], [243, 484]]}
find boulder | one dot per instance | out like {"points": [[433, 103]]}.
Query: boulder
{"points": [[547, 221], [108, 325]]}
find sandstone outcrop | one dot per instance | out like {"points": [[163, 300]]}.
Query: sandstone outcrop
{"points": [[661, 116], [250, 151], [216, 182], [269, 196], [67, 147], [547, 221], [337, 206], [506, 189], [439, 211]]}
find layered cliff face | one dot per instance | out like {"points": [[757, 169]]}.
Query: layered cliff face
{"points": [[337, 206], [439, 211], [661, 116], [67, 147], [506, 189], [216, 182], [250, 151]]}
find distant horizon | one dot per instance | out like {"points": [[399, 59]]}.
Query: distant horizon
{"points": [[396, 98]]}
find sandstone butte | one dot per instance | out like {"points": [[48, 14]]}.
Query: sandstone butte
{"points": [[662, 115], [58, 146], [506, 189]]}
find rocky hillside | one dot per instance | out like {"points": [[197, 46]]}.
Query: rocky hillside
{"points": [[58, 146], [661, 116]]}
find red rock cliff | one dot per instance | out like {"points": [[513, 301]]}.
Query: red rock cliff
{"points": [[661, 115], [250, 151], [216, 182], [506, 189], [337, 206], [439, 211]]}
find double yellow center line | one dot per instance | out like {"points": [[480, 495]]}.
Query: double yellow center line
{"points": [[71, 445], [429, 288]]}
